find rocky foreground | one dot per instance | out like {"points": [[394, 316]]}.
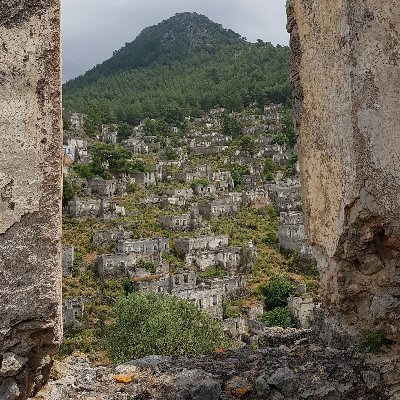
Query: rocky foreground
{"points": [[303, 370]]}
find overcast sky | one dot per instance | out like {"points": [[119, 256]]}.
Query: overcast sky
{"points": [[93, 29]]}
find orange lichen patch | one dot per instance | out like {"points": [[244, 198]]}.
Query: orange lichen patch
{"points": [[240, 392], [126, 378], [219, 351]]}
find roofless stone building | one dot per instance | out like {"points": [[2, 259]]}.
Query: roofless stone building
{"points": [[346, 80]]}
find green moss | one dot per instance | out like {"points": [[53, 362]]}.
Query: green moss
{"points": [[372, 343]]}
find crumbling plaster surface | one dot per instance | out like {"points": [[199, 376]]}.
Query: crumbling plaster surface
{"points": [[30, 193], [346, 82]]}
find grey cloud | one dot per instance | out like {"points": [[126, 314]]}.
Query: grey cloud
{"points": [[93, 29]]}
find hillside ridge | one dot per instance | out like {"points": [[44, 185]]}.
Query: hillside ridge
{"points": [[166, 41]]}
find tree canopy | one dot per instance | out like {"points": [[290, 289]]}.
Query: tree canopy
{"points": [[148, 324], [183, 66]]}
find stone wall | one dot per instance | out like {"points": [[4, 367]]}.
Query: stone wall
{"points": [[346, 82], [30, 194]]}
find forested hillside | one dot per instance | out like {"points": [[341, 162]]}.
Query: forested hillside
{"points": [[184, 66]]}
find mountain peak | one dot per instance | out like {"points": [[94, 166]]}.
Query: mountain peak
{"points": [[167, 41], [191, 30]]}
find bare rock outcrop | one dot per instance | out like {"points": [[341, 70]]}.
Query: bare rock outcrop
{"points": [[30, 194], [298, 371], [346, 82]]}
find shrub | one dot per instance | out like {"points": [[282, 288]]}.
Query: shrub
{"points": [[147, 324], [280, 316], [231, 311], [127, 285], [277, 291], [148, 266], [212, 272], [271, 238], [200, 181], [270, 167], [300, 265], [84, 171], [131, 188], [238, 171], [77, 264], [372, 343]]}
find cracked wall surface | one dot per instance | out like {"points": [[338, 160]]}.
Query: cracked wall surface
{"points": [[346, 90], [30, 194]]}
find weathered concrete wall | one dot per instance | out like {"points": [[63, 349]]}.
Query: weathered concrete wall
{"points": [[346, 81], [30, 193]]}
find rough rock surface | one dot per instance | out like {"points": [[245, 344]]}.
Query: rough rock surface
{"points": [[286, 372], [346, 81], [30, 194]]}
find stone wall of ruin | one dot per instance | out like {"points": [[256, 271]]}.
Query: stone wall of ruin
{"points": [[346, 82], [30, 193]]}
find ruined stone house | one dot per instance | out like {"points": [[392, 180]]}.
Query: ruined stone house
{"points": [[144, 179], [136, 146], [250, 182], [256, 198], [187, 193], [71, 152], [199, 172], [205, 190], [101, 187], [117, 266], [108, 136], [104, 238], [67, 260], [208, 251], [94, 208], [73, 313], [184, 222], [303, 310], [77, 121], [187, 245], [84, 208], [291, 233], [129, 257], [285, 198], [222, 181], [235, 327], [218, 208]]}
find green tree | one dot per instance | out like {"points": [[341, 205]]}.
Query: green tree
{"points": [[85, 171], [117, 157], [248, 144], [124, 131], [277, 291], [270, 168], [66, 122], [68, 191], [238, 171], [149, 324], [280, 316], [170, 153], [90, 127], [231, 126]]}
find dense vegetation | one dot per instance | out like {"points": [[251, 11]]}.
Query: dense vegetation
{"points": [[150, 324], [183, 66]]}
